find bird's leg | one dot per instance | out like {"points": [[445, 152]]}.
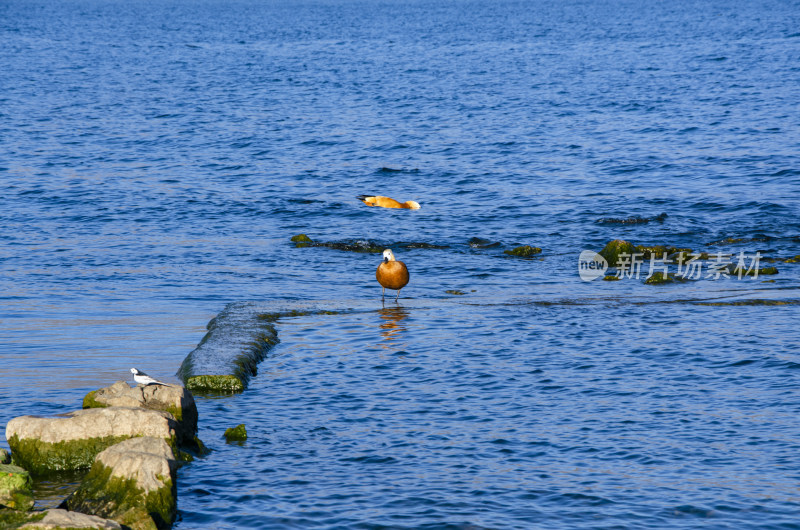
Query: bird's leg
{"points": [[383, 291], [396, 296]]}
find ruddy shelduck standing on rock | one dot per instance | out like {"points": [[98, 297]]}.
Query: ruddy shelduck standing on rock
{"points": [[391, 274], [387, 202]]}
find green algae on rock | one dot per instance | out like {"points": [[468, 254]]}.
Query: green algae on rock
{"points": [[222, 384], [16, 488], [611, 278], [659, 278], [524, 251], [69, 442], [301, 240], [13, 519], [613, 249], [89, 402], [44, 457], [455, 292], [236, 434], [133, 483], [5, 458]]}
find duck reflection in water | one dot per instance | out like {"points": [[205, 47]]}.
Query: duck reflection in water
{"points": [[393, 317]]}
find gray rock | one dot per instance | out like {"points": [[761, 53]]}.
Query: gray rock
{"points": [[71, 441], [57, 519], [132, 482], [170, 398]]}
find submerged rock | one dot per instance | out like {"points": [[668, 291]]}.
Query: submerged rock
{"points": [[227, 356], [132, 482], [659, 251], [174, 399], [614, 248], [737, 240], [238, 339], [766, 271], [72, 441], [58, 519], [477, 242], [659, 278], [367, 246], [16, 488], [455, 292], [636, 219], [525, 251], [236, 434]]}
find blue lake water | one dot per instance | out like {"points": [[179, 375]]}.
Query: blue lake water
{"points": [[157, 157]]}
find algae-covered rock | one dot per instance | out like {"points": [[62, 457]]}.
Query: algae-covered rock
{"points": [[236, 434], [659, 251], [659, 278], [228, 355], [613, 249], [16, 488], [72, 441], [5, 458], [13, 519], [174, 399], [132, 482], [524, 251], [57, 519], [455, 292], [221, 384], [611, 278], [301, 240]]}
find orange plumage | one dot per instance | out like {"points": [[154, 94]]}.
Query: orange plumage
{"points": [[391, 274], [387, 202]]}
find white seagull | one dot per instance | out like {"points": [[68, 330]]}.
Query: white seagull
{"points": [[144, 379]]}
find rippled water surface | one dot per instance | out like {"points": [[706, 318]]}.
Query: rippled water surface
{"points": [[156, 158]]}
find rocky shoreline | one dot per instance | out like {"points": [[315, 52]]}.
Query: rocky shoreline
{"points": [[130, 440]]}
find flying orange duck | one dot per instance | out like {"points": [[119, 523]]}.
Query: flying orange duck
{"points": [[391, 274], [387, 202]]}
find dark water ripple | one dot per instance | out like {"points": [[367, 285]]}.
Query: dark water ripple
{"points": [[156, 159]]}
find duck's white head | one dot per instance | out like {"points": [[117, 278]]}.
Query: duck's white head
{"points": [[388, 255]]}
